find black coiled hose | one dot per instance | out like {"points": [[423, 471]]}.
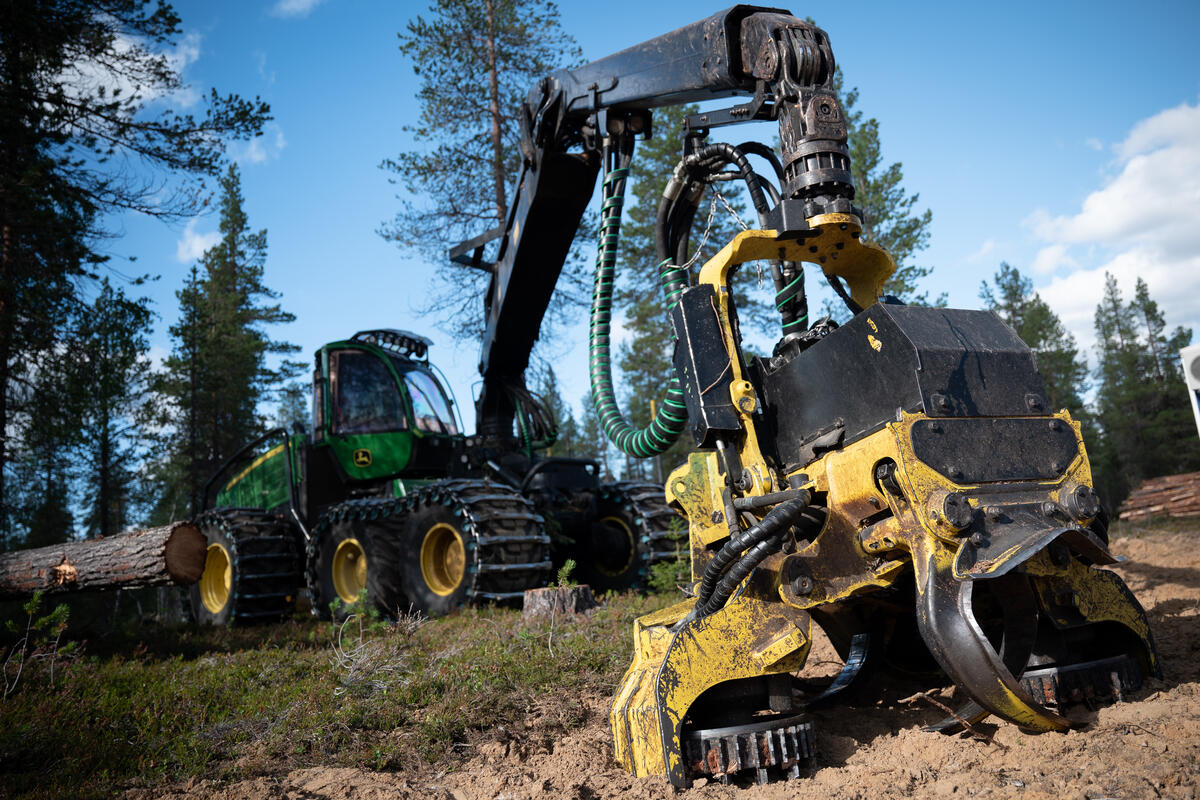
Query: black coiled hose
{"points": [[730, 567]]}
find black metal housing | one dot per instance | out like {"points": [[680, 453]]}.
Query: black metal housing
{"points": [[945, 362]]}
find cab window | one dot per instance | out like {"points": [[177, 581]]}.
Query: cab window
{"points": [[431, 409], [366, 398]]}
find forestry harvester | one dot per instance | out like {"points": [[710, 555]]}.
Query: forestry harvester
{"points": [[385, 495], [898, 480]]}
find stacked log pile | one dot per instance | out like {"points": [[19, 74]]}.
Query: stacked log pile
{"points": [[173, 554], [1169, 496]]}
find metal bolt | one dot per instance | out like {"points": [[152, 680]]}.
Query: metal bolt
{"points": [[802, 585], [993, 513], [957, 511], [717, 517], [978, 539], [1049, 509], [1055, 425], [874, 502]]}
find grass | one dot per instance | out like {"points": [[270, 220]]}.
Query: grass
{"points": [[166, 705]]}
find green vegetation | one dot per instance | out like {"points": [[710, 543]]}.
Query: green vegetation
{"points": [[224, 703]]}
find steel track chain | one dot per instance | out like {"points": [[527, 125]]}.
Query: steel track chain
{"points": [[506, 539], [265, 558], [653, 518]]}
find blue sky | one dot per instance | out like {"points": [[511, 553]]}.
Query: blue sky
{"points": [[1063, 138]]}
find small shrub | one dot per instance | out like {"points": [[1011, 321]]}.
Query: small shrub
{"points": [[41, 640]]}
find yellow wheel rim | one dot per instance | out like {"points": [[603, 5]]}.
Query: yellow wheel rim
{"points": [[443, 559], [216, 582], [605, 565], [349, 570]]}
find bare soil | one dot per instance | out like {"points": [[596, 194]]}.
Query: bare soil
{"points": [[1146, 748]]}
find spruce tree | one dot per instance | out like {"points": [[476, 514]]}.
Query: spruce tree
{"points": [[221, 367], [1064, 371], [86, 130], [1141, 399], [109, 374], [477, 60]]}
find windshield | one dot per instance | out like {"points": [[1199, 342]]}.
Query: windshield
{"points": [[431, 408], [365, 396]]}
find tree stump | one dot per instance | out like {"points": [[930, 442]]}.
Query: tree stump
{"points": [[557, 601], [171, 554]]}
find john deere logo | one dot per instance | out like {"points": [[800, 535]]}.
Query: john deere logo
{"points": [[362, 457]]}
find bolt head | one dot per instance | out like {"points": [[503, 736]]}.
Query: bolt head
{"points": [[802, 585]]}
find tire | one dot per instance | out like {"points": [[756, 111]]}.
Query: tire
{"points": [[434, 574], [251, 569], [357, 550], [487, 539], [631, 531]]}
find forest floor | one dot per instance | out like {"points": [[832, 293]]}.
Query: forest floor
{"points": [[482, 705]]}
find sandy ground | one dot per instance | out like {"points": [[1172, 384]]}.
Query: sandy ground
{"points": [[1149, 747]]}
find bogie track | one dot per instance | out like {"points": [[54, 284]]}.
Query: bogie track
{"points": [[441, 545], [252, 570]]}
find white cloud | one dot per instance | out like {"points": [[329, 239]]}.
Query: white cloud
{"points": [[192, 245], [984, 249], [1093, 143], [84, 78], [1143, 222], [1050, 258], [294, 8], [261, 149]]}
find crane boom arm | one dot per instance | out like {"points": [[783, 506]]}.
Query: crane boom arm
{"points": [[785, 63]]}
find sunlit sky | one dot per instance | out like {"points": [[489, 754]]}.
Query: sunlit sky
{"points": [[1063, 138]]}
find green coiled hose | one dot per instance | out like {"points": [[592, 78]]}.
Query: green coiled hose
{"points": [[671, 418]]}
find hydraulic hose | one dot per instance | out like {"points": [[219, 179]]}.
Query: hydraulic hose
{"points": [[671, 418], [776, 522]]}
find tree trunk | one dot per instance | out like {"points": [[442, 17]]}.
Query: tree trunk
{"points": [[171, 554], [499, 178], [557, 601]]}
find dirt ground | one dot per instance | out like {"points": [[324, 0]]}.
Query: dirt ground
{"points": [[1149, 747]]}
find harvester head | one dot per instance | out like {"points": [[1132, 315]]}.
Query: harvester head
{"points": [[901, 482]]}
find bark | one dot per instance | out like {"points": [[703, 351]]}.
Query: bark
{"points": [[499, 178], [557, 601], [174, 553]]}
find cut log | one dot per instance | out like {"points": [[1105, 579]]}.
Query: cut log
{"points": [[560, 601], [170, 554], [1168, 496]]}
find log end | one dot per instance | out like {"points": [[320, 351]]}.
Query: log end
{"points": [[184, 553]]}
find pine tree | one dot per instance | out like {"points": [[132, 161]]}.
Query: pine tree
{"points": [[86, 129], [890, 218], [1141, 398], [477, 61], [1063, 370], [219, 370]]}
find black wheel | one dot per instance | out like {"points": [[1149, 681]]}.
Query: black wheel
{"points": [[251, 568], [632, 529], [357, 554], [435, 572], [613, 557]]}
